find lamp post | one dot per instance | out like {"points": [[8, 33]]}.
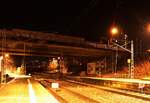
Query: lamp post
{"points": [[114, 31]]}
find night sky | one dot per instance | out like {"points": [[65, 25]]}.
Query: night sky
{"points": [[90, 19]]}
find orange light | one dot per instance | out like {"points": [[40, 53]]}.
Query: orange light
{"points": [[114, 31], [148, 50], [6, 55], [148, 28]]}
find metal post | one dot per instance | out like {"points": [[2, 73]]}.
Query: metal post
{"points": [[125, 37], [116, 62], [132, 56], [1, 71], [24, 59], [132, 59], [112, 65]]}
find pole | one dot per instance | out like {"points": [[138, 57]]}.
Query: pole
{"points": [[24, 59], [132, 56], [125, 37], [1, 71], [116, 62], [132, 59]]}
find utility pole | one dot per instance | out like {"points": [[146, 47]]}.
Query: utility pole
{"points": [[2, 70], [132, 57], [23, 62], [116, 61], [2, 64]]}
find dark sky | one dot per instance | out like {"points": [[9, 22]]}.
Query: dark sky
{"points": [[90, 19]]}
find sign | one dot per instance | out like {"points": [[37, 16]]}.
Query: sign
{"points": [[91, 68], [55, 85]]}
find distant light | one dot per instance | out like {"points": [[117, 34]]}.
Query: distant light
{"points": [[7, 55], [58, 58], [148, 50], [29, 74], [148, 28]]}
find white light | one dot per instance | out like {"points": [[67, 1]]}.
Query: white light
{"points": [[58, 58], [1, 57]]}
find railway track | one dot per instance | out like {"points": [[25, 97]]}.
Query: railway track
{"points": [[93, 94], [65, 95], [114, 90]]}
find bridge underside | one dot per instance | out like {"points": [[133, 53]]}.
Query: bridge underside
{"points": [[22, 42], [42, 49]]}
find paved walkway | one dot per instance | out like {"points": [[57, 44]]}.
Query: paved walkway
{"points": [[25, 90]]}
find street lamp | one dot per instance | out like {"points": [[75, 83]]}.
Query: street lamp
{"points": [[114, 31]]}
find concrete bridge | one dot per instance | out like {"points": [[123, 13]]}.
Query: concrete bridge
{"points": [[25, 42]]}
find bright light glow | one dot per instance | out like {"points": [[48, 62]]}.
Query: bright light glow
{"points": [[58, 58], [1, 57], [114, 31], [7, 55], [53, 64], [128, 61], [31, 92], [148, 50]]}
